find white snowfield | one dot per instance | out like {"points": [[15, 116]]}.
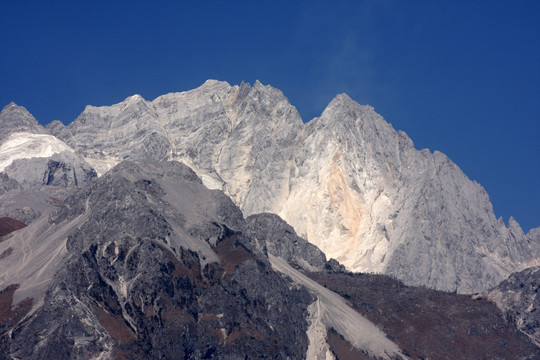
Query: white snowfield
{"points": [[333, 312], [23, 145]]}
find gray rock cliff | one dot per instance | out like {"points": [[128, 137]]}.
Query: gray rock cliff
{"points": [[146, 263]]}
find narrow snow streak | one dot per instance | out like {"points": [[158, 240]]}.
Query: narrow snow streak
{"points": [[335, 313]]}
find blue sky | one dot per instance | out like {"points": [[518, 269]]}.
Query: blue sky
{"points": [[461, 77]]}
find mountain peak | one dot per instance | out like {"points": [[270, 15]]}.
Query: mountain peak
{"points": [[343, 104], [135, 97], [12, 107], [15, 118], [11, 104]]}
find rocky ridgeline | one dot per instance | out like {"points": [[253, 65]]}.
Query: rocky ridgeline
{"points": [[346, 181]]}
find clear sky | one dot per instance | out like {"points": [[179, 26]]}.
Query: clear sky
{"points": [[461, 77]]}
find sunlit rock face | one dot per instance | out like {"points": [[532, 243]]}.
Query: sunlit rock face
{"points": [[40, 159], [347, 181], [367, 197]]}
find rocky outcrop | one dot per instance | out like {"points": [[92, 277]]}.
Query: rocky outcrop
{"points": [[517, 297], [281, 241], [14, 118], [533, 237], [39, 159], [26, 205], [368, 198], [7, 184], [429, 324], [65, 170], [37, 171]]}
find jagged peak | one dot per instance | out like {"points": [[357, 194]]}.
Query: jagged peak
{"points": [[259, 85], [267, 88], [212, 85], [55, 123], [135, 97], [343, 103], [512, 223], [11, 104], [18, 117], [12, 107], [115, 108], [214, 82]]}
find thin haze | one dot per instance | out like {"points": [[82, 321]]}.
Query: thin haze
{"points": [[461, 77]]}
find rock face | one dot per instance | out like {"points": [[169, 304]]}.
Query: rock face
{"points": [[31, 185], [38, 159], [36, 170], [517, 297], [14, 118], [368, 198], [282, 241], [346, 181], [147, 263]]}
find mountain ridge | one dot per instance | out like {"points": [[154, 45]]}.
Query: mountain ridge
{"points": [[346, 181]]}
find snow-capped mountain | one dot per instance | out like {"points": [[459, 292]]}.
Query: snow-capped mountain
{"points": [[130, 263], [346, 181]]}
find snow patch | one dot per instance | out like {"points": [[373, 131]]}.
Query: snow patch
{"points": [[210, 182], [335, 313], [318, 348], [25, 145], [102, 165]]}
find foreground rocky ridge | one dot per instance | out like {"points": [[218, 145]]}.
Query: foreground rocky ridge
{"points": [[155, 267], [148, 263], [429, 324]]}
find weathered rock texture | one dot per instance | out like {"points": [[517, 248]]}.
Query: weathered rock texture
{"points": [[518, 298], [346, 181], [37, 170], [146, 263]]}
